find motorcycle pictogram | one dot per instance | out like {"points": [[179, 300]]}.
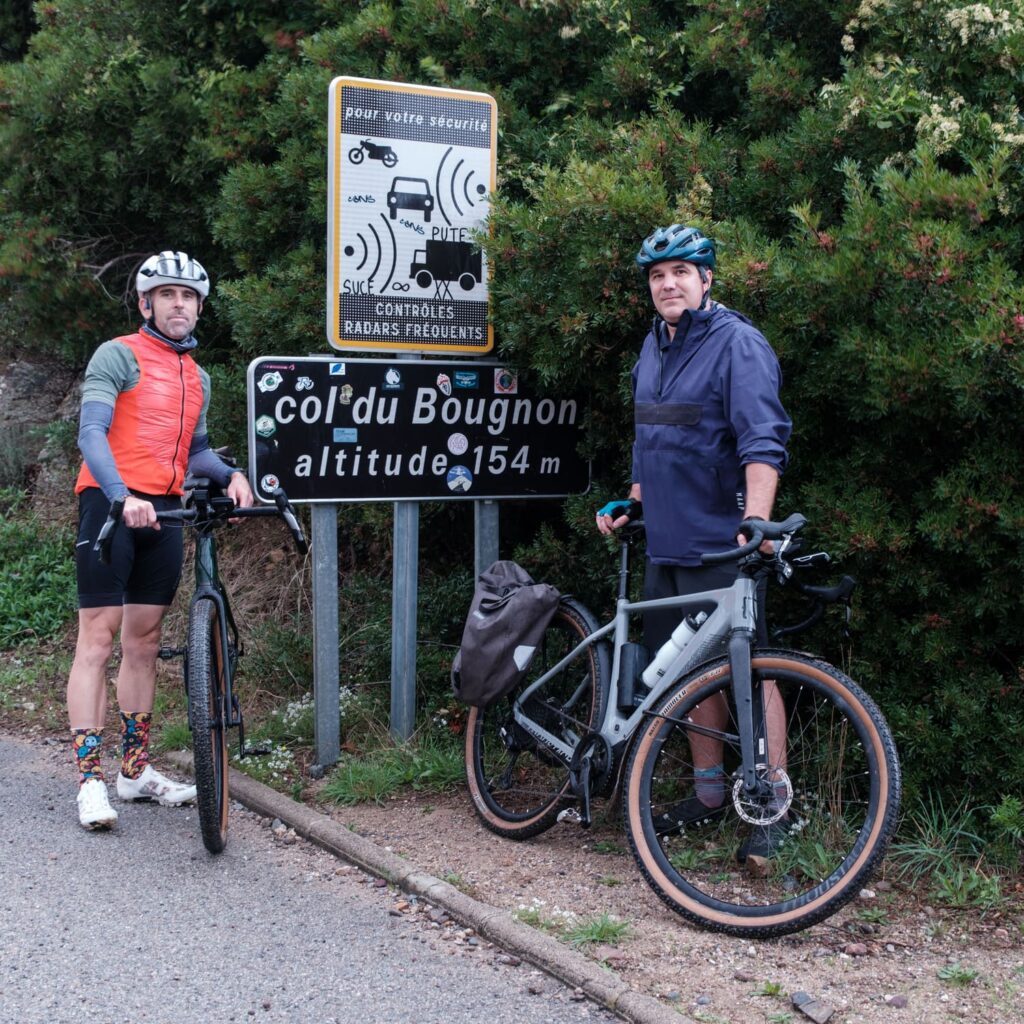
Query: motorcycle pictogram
{"points": [[375, 152]]}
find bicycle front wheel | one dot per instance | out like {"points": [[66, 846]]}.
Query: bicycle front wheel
{"points": [[205, 679], [820, 825], [517, 786]]}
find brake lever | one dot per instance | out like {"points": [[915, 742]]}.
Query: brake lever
{"points": [[288, 514]]}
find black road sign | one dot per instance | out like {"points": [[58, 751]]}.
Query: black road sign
{"points": [[329, 429]]}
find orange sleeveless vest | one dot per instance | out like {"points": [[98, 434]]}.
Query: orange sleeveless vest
{"points": [[153, 423]]}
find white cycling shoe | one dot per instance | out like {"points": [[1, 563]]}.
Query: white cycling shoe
{"points": [[94, 810], [151, 785]]}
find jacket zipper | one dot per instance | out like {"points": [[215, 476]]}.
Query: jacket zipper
{"points": [[181, 424]]}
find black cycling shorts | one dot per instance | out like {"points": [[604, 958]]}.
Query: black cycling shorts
{"points": [[676, 580], [145, 565]]}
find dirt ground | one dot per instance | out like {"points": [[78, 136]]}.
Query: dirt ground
{"points": [[879, 960]]}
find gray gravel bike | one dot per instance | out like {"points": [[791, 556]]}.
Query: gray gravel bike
{"points": [[809, 761]]}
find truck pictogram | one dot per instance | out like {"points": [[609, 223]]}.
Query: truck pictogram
{"points": [[443, 261]]}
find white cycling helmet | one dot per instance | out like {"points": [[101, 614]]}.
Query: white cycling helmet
{"points": [[170, 267]]}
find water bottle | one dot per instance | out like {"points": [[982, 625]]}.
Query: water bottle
{"points": [[680, 637]]}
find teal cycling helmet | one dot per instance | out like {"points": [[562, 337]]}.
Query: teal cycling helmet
{"points": [[676, 242]]}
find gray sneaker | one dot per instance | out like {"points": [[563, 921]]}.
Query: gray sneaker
{"points": [[762, 844], [151, 785], [689, 812]]}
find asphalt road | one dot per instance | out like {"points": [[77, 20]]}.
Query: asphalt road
{"points": [[142, 925]]}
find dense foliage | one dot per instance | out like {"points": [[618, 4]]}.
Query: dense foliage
{"points": [[860, 163]]}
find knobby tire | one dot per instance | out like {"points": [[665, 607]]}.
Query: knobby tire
{"points": [[518, 787], [841, 763], [205, 681]]}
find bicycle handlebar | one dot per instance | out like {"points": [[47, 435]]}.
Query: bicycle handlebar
{"points": [[218, 508], [759, 530]]}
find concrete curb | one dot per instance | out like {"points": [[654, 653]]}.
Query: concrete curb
{"points": [[497, 926]]}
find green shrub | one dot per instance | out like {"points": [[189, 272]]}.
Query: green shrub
{"points": [[37, 586]]}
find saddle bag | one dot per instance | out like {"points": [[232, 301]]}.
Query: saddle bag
{"points": [[507, 618]]}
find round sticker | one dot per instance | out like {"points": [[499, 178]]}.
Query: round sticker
{"points": [[457, 443], [459, 479]]}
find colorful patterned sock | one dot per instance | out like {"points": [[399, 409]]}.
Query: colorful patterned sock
{"points": [[709, 785], [86, 743], [134, 743]]}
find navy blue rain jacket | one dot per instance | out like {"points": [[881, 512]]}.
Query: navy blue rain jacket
{"points": [[706, 403]]}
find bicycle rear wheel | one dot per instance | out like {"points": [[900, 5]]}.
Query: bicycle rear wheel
{"points": [[205, 671], [518, 788], [834, 795]]}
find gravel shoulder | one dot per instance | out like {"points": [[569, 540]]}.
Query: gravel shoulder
{"points": [[879, 960]]}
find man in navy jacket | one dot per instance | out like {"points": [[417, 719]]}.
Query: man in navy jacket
{"points": [[710, 446]]}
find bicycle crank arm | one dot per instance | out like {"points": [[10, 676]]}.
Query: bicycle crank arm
{"points": [[579, 781]]}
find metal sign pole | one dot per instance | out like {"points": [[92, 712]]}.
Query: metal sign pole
{"points": [[405, 570], [327, 718], [485, 533]]}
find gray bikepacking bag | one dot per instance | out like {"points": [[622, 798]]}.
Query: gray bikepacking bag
{"points": [[507, 618]]}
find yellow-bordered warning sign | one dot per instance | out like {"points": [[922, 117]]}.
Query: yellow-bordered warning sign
{"points": [[410, 173]]}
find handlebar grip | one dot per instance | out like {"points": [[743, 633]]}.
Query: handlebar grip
{"points": [[757, 538], [830, 595], [106, 535], [288, 514]]}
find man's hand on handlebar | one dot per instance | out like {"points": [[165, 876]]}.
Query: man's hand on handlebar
{"points": [[138, 513], [746, 532], [616, 514], [239, 491]]}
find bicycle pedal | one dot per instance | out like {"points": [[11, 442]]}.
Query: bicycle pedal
{"points": [[166, 653]]}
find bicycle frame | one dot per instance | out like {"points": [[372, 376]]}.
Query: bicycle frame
{"points": [[730, 626]]}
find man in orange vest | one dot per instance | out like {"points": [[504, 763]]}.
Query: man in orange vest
{"points": [[143, 425]]}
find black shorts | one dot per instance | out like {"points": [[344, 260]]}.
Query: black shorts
{"points": [[145, 565], [676, 580]]}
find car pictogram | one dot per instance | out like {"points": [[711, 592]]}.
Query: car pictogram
{"points": [[410, 194]]}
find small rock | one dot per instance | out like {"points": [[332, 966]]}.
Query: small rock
{"points": [[277, 823], [743, 976], [402, 905], [1001, 937], [855, 949], [266, 1004], [535, 989], [867, 894], [818, 1011], [379, 883], [703, 1000], [897, 1002], [507, 960], [578, 995], [750, 951], [672, 997]]}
